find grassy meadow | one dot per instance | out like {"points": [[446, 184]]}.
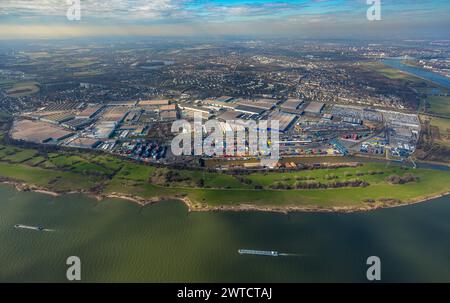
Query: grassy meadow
{"points": [[105, 174]]}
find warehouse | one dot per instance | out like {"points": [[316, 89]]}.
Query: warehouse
{"points": [[353, 121], [61, 107], [194, 108], [265, 104], [90, 112], [76, 124], [229, 115], [167, 107], [104, 130], [221, 104], [291, 105], [154, 103], [123, 103], [327, 117], [115, 114], [224, 99], [249, 110], [58, 118], [285, 120], [314, 107], [168, 115], [84, 143]]}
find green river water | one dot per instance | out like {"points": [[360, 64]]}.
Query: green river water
{"points": [[118, 241]]}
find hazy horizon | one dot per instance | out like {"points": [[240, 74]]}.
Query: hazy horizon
{"points": [[23, 19]]}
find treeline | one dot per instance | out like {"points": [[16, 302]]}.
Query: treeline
{"points": [[170, 176], [406, 178], [319, 185], [300, 166]]}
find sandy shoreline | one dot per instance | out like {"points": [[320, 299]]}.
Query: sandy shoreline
{"points": [[314, 209], [21, 186]]}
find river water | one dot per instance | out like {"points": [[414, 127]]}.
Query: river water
{"points": [[118, 241], [417, 71]]}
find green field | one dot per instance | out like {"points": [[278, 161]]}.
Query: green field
{"points": [[444, 130], [88, 73], [49, 179], [82, 63], [4, 118], [110, 175], [390, 72], [21, 89], [21, 156], [35, 161], [439, 105]]}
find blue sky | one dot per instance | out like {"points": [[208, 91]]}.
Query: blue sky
{"points": [[227, 17]]}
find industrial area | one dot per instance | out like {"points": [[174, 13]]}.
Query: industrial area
{"points": [[140, 129], [329, 99]]}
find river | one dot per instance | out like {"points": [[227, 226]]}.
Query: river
{"points": [[118, 241], [417, 71]]}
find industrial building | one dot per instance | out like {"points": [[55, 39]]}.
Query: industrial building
{"points": [[285, 120], [230, 115], [104, 130], [154, 103], [265, 104], [167, 107], [123, 103], [353, 121], [115, 114], [224, 99], [77, 124], [249, 110], [90, 112], [221, 103], [58, 118], [291, 105], [314, 108], [168, 115], [196, 109], [59, 107], [327, 116], [84, 143]]}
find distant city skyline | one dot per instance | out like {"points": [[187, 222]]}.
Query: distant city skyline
{"points": [[302, 18]]}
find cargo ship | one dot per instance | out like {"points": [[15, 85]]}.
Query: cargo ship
{"points": [[270, 253], [20, 226]]}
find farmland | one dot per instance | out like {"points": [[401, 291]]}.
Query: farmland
{"points": [[21, 89]]}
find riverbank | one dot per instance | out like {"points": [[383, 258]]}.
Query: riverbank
{"points": [[242, 207], [313, 209], [349, 186], [418, 72]]}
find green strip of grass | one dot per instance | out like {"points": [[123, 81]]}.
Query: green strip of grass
{"points": [[86, 171], [439, 105], [51, 179]]}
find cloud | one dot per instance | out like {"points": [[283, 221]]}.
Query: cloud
{"points": [[176, 10], [101, 9], [216, 16]]}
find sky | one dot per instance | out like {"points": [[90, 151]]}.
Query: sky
{"points": [[284, 18]]}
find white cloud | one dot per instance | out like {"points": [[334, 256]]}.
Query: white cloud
{"points": [[122, 9]]}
